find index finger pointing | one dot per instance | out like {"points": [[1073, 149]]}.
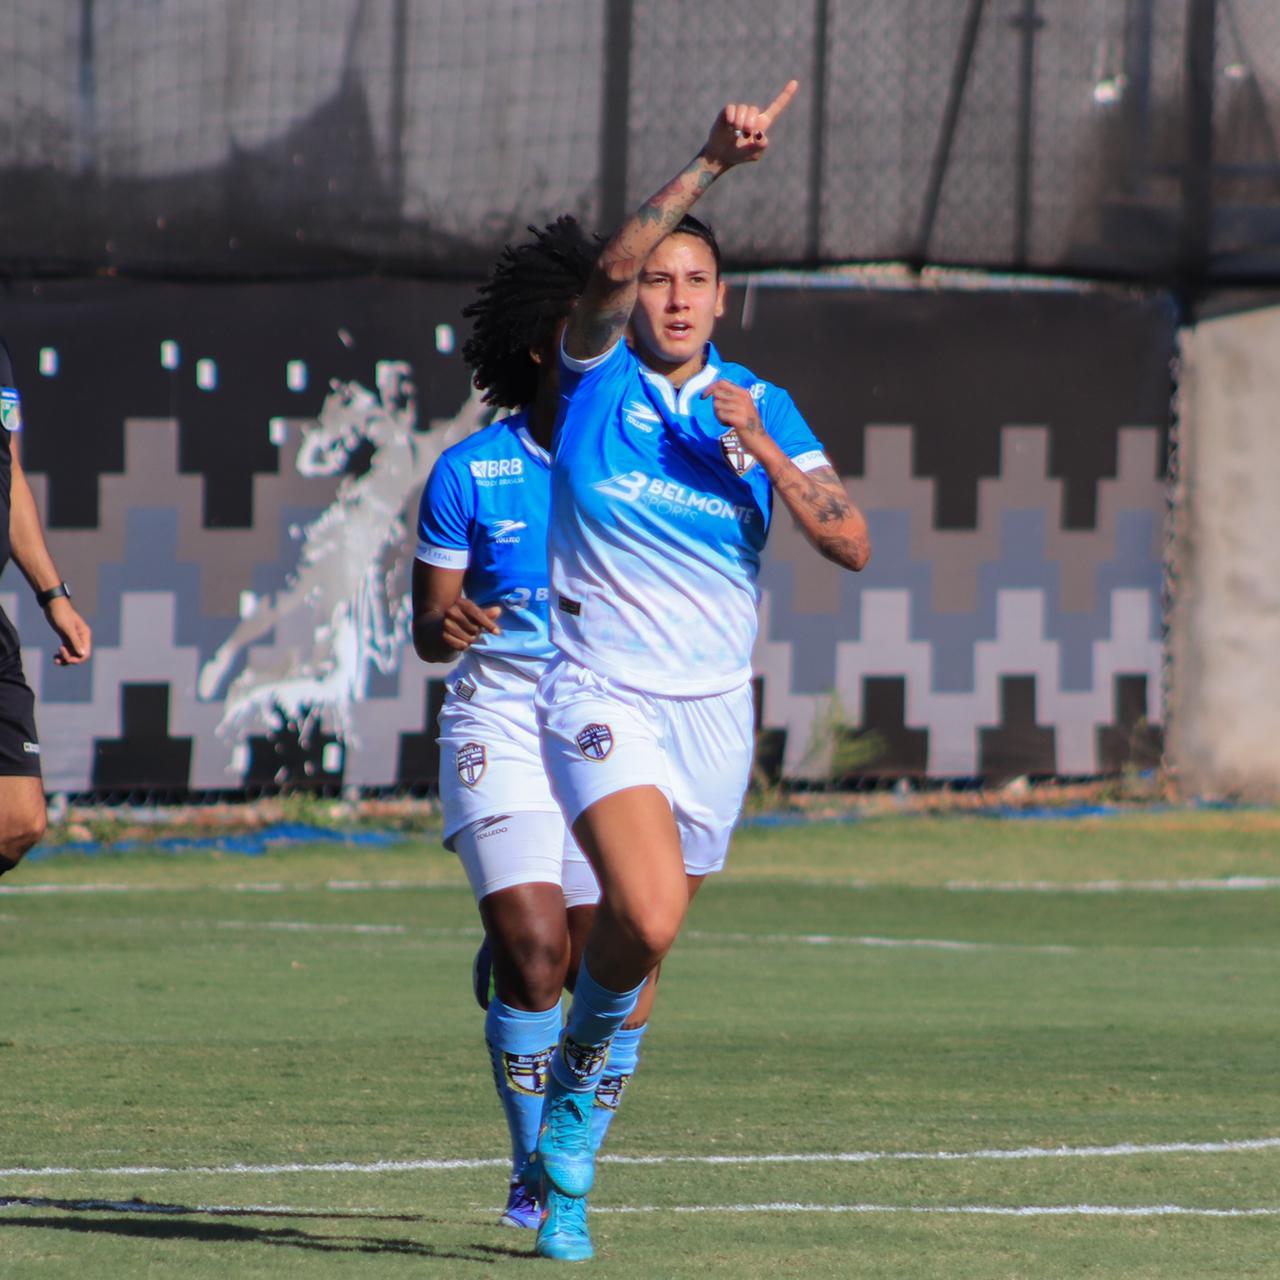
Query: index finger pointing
{"points": [[780, 103]]}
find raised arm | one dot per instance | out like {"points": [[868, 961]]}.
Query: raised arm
{"points": [[739, 135]]}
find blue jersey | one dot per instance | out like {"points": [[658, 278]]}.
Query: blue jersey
{"points": [[484, 510], [658, 519]]}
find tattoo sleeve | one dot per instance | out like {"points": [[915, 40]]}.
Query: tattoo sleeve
{"points": [[821, 507]]}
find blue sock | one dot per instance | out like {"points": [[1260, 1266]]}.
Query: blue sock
{"points": [[520, 1046], [594, 1016], [619, 1067]]}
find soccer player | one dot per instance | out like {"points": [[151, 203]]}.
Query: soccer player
{"points": [[22, 811], [480, 590], [667, 462]]}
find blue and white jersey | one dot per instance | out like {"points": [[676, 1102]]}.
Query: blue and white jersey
{"points": [[484, 510], [658, 519]]}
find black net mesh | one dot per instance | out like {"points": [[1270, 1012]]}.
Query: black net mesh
{"points": [[281, 136]]}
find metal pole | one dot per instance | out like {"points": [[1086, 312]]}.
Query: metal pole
{"points": [[946, 136], [1197, 164], [617, 104], [1028, 22], [818, 132], [88, 141], [397, 109]]}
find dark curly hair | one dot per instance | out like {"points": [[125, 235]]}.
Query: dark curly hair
{"points": [[531, 288]]}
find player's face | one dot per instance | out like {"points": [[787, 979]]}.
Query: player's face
{"points": [[676, 309]]}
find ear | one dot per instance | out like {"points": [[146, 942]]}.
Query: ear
{"points": [[721, 291], [535, 355]]}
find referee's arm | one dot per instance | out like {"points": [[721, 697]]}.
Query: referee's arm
{"points": [[31, 555]]}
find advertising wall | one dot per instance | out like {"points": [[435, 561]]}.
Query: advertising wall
{"points": [[230, 475]]}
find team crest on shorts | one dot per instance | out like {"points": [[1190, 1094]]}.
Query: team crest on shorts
{"points": [[471, 760], [734, 454], [595, 741]]}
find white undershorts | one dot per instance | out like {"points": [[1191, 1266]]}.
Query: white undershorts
{"points": [[506, 849], [599, 737], [500, 815]]}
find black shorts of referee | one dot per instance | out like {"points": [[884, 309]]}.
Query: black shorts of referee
{"points": [[19, 746]]}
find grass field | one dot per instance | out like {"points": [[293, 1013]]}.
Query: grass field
{"points": [[904, 1047]]}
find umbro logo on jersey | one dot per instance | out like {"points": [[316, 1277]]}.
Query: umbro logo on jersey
{"points": [[734, 454], [595, 741], [640, 416], [471, 761], [504, 530]]}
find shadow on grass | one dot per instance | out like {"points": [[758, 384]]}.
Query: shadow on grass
{"points": [[157, 1221]]}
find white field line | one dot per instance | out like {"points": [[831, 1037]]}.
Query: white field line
{"points": [[830, 940], [1002, 1211], [696, 935], [822, 1157], [975, 1210], [1228, 884]]}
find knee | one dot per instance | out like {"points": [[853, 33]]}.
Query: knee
{"points": [[653, 931], [532, 965]]}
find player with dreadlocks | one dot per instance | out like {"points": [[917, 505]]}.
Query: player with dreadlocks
{"points": [[480, 591]]}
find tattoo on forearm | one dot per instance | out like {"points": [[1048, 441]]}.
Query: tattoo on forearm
{"points": [[819, 493]]}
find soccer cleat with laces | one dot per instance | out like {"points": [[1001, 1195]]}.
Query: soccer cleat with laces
{"points": [[563, 1233], [565, 1155], [522, 1208]]}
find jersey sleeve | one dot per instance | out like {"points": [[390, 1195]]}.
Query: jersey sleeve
{"points": [[787, 426], [445, 516], [596, 380]]}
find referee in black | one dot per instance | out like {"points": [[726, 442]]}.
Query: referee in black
{"points": [[22, 812]]}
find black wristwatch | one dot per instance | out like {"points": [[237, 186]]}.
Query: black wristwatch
{"points": [[45, 598]]}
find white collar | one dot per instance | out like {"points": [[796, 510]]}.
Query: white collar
{"points": [[682, 401], [531, 446]]}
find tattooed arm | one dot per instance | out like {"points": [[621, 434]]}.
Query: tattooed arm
{"points": [[817, 499], [739, 135]]}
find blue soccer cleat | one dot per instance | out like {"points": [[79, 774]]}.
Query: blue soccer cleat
{"points": [[565, 1153], [522, 1208], [563, 1234], [482, 974]]}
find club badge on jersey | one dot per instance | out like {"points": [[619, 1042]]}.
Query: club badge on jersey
{"points": [[595, 741], [734, 454], [10, 409], [471, 761]]}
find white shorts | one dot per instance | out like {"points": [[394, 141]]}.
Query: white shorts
{"points": [[491, 777], [599, 737], [506, 849]]}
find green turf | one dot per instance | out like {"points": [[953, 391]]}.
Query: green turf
{"points": [[184, 1022]]}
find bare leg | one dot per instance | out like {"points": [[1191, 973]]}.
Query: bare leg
{"points": [[530, 943], [22, 818], [631, 840]]}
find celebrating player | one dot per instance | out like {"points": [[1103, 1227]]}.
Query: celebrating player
{"points": [[667, 460], [480, 590], [22, 810]]}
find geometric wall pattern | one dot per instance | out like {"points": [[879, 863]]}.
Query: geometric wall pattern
{"points": [[230, 479]]}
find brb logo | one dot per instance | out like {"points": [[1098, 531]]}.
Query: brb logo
{"points": [[666, 498], [490, 471]]}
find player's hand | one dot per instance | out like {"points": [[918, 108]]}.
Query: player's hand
{"points": [[736, 409], [741, 131], [72, 630], [464, 622]]}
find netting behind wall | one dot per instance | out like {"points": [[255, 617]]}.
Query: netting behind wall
{"points": [[1130, 137]]}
